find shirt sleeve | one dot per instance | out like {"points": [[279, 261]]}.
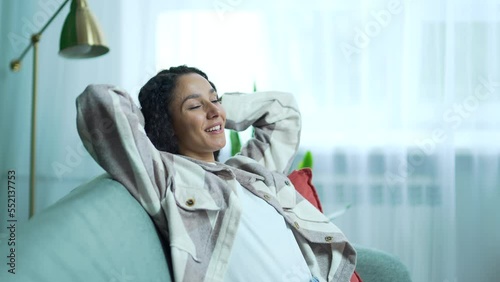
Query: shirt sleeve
{"points": [[111, 127], [276, 121]]}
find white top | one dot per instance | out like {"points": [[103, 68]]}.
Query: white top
{"points": [[265, 248]]}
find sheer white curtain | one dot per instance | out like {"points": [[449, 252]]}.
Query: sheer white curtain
{"points": [[399, 102]]}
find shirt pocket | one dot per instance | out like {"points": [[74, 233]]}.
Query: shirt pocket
{"points": [[305, 216], [311, 223], [195, 216], [307, 212], [194, 199]]}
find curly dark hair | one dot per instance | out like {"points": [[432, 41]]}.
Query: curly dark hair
{"points": [[155, 98]]}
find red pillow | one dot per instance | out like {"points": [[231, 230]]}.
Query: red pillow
{"points": [[302, 180], [355, 277]]}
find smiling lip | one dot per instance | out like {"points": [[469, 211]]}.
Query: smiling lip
{"points": [[215, 129]]}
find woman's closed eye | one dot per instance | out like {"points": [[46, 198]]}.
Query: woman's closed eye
{"points": [[194, 107], [199, 105]]}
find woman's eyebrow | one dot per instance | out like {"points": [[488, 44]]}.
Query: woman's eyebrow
{"points": [[196, 96], [192, 96]]}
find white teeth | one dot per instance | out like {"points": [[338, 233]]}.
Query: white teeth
{"points": [[213, 128]]}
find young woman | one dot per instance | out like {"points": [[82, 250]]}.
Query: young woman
{"points": [[241, 220]]}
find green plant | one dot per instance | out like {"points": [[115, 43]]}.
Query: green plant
{"points": [[307, 161], [234, 138]]}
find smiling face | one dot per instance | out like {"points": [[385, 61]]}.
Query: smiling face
{"points": [[197, 117]]}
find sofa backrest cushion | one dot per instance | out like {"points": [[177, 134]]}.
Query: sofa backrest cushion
{"points": [[98, 232]]}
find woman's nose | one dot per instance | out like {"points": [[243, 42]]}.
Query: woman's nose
{"points": [[213, 111]]}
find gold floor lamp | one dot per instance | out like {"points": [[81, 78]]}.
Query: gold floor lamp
{"points": [[81, 37]]}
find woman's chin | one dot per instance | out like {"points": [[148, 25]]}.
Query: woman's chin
{"points": [[220, 145]]}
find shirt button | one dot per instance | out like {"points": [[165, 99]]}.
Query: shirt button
{"points": [[287, 182], [328, 238], [267, 197], [190, 202], [296, 224]]}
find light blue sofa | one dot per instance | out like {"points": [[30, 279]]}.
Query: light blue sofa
{"points": [[99, 232]]}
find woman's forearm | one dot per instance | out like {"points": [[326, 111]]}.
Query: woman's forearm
{"points": [[277, 122]]}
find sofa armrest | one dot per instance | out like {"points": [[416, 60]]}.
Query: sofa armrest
{"points": [[377, 266]]}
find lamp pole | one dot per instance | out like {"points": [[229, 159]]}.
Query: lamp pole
{"points": [[34, 39]]}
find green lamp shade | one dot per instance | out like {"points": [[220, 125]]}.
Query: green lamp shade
{"points": [[81, 36]]}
